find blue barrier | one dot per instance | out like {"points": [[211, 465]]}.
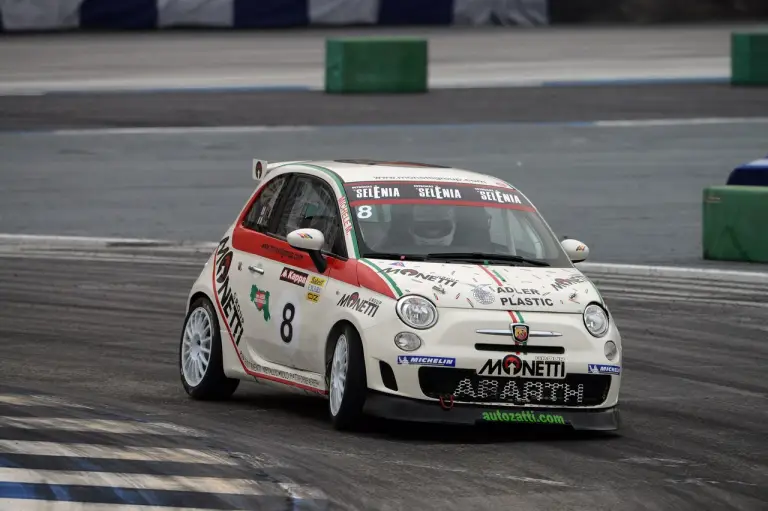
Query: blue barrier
{"points": [[750, 174], [42, 15]]}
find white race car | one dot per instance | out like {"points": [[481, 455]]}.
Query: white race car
{"points": [[402, 290]]}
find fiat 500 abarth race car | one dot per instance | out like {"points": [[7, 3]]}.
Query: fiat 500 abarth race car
{"points": [[403, 290]]}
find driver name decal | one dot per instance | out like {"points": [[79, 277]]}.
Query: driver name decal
{"points": [[368, 307], [230, 305]]}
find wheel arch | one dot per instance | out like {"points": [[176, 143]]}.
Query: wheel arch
{"points": [[196, 296], [332, 334]]}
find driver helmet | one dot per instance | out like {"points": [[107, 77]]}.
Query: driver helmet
{"points": [[433, 225]]}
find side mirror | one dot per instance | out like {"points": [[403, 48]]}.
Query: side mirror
{"points": [[576, 250], [310, 241]]}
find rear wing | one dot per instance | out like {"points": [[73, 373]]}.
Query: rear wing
{"points": [[261, 168]]}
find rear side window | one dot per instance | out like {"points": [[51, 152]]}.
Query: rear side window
{"points": [[261, 210]]}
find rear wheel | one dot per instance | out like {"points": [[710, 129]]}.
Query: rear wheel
{"points": [[347, 380], [200, 359]]}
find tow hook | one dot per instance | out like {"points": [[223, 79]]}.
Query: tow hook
{"points": [[446, 406]]}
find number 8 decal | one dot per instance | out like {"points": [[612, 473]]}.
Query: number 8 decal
{"points": [[365, 212], [286, 327]]}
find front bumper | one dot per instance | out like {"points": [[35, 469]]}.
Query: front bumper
{"points": [[414, 410]]}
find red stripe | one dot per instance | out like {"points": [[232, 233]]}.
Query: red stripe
{"points": [[444, 202], [370, 279], [232, 340], [427, 182]]}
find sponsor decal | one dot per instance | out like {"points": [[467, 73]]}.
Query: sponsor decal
{"points": [[230, 305], [563, 283], [498, 197], [437, 192], [282, 252], [521, 392], [422, 276], [512, 290], [368, 307], [514, 301], [514, 366], [305, 236], [260, 299], [315, 285], [581, 248], [523, 417], [374, 192], [603, 369], [313, 297], [294, 277], [278, 373], [398, 263], [483, 294], [420, 360], [345, 220], [317, 281]]}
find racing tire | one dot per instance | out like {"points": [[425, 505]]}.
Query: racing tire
{"points": [[346, 366], [213, 385]]}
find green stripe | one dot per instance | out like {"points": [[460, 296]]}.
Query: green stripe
{"points": [[340, 184], [386, 277], [519, 315], [498, 275]]}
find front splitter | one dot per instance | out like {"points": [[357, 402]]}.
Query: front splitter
{"points": [[414, 410]]}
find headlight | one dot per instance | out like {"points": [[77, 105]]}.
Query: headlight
{"points": [[596, 320], [416, 312]]}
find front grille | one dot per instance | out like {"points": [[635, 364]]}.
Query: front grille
{"points": [[467, 386]]}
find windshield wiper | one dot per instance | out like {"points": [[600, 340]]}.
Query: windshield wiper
{"points": [[392, 255], [474, 256]]}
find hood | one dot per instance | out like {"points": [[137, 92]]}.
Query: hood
{"points": [[510, 288]]}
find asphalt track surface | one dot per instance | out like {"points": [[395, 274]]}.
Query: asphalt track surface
{"points": [[104, 333], [448, 106]]}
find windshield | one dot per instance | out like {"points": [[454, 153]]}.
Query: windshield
{"points": [[459, 220]]}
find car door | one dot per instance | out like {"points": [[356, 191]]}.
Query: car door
{"points": [[303, 297], [257, 269]]}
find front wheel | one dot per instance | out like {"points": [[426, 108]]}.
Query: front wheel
{"points": [[201, 363], [347, 381]]}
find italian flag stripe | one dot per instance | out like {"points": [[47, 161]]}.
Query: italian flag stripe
{"points": [[385, 277], [517, 317], [498, 275]]}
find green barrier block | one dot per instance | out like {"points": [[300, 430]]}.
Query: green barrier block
{"points": [[383, 65], [749, 58], [735, 223]]}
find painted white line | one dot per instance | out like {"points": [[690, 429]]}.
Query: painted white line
{"points": [[183, 130], [38, 400], [97, 426], [675, 271], [142, 481], [641, 123], [114, 453], [56, 241], [50, 505]]}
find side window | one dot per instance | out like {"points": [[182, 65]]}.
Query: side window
{"points": [[258, 216], [312, 205]]}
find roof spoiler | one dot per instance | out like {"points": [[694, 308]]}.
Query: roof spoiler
{"points": [[261, 168]]}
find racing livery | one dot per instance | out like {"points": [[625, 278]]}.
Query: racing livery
{"points": [[402, 290]]}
